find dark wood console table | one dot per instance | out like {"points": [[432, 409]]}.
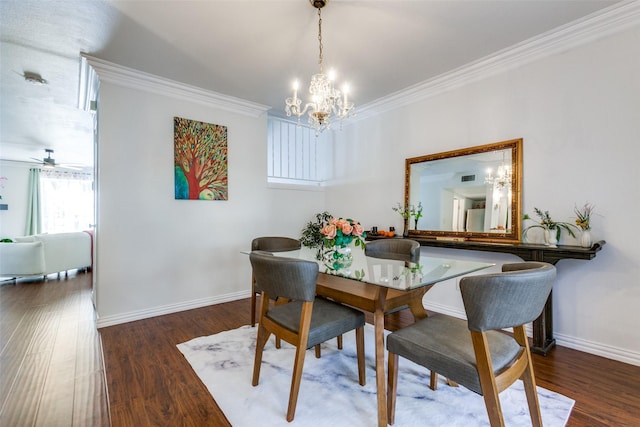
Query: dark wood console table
{"points": [[543, 339]]}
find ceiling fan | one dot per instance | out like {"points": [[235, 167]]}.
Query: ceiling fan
{"points": [[49, 162]]}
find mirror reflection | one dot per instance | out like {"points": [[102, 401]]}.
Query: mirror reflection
{"points": [[471, 193]]}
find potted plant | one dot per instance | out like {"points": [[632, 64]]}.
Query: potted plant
{"points": [[552, 229], [406, 213], [416, 213], [583, 221], [337, 235]]}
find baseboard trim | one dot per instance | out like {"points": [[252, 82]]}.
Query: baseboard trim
{"points": [[117, 319], [599, 349], [591, 347]]}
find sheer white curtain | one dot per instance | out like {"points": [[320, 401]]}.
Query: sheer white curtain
{"points": [[34, 213], [66, 201]]}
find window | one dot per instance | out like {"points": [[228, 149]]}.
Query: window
{"points": [[295, 155], [67, 201]]}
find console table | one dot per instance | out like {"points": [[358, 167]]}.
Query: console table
{"points": [[543, 339]]}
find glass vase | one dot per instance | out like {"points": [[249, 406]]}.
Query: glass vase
{"points": [[585, 239], [337, 258], [550, 238]]}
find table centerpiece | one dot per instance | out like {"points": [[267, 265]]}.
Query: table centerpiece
{"points": [[337, 236]]}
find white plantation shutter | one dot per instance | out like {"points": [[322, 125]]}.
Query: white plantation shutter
{"points": [[295, 155]]}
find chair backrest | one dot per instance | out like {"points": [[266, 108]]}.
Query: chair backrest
{"points": [[399, 249], [284, 277], [275, 244], [512, 298]]}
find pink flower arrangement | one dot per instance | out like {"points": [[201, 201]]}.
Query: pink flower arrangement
{"points": [[341, 232]]}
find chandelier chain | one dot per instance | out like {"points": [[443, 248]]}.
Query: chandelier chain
{"points": [[320, 38]]}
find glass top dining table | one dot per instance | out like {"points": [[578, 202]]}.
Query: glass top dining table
{"points": [[390, 273], [380, 285]]}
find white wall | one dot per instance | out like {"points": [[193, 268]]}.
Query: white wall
{"points": [[15, 194], [156, 254], [579, 115]]}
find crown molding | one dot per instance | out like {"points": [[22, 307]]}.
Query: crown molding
{"points": [[611, 20], [129, 77]]}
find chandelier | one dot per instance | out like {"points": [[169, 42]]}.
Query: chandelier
{"points": [[327, 102], [502, 178]]}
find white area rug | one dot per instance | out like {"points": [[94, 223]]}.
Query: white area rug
{"points": [[330, 394]]}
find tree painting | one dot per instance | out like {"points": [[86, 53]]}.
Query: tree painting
{"points": [[200, 160]]}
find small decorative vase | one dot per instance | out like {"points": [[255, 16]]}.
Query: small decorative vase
{"points": [[405, 231], [337, 258], [550, 238], [585, 239]]}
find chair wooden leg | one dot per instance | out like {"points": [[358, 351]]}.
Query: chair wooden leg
{"points": [[362, 375], [261, 340], [319, 351], [301, 350], [295, 383], [487, 378], [392, 387], [433, 381], [528, 379], [253, 300]]}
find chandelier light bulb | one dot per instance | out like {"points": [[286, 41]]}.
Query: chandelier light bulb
{"points": [[295, 90]]}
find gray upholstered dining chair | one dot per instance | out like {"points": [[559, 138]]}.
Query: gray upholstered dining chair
{"points": [[399, 249], [475, 353], [304, 320], [269, 244]]}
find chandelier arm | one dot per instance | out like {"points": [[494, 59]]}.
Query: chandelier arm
{"points": [[306, 108]]}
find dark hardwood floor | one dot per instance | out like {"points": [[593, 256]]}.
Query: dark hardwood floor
{"points": [[51, 370], [46, 325]]}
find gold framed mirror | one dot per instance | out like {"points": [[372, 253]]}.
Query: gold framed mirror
{"points": [[468, 194]]}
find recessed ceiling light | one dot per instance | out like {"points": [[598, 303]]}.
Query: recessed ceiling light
{"points": [[34, 78]]}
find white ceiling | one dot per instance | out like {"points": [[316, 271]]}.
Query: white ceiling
{"points": [[247, 49]]}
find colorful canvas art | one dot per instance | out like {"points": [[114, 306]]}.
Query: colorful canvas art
{"points": [[200, 160]]}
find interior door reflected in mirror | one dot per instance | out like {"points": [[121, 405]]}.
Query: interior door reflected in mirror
{"points": [[474, 193]]}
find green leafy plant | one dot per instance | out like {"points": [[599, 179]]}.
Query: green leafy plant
{"points": [[311, 233], [547, 223], [583, 216], [6, 241]]}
